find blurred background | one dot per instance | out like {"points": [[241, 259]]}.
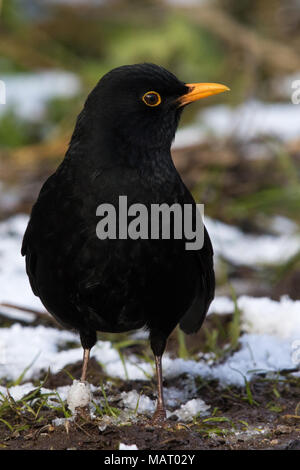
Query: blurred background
{"points": [[238, 152]]}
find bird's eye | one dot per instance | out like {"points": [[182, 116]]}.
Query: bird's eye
{"points": [[152, 98]]}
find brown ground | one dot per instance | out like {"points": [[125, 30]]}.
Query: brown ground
{"points": [[265, 417]]}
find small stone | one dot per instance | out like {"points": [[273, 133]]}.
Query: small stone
{"points": [[282, 429]]}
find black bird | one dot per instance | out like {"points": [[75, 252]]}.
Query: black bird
{"points": [[120, 146]]}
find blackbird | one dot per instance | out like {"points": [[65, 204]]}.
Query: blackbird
{"points": [[120, 146]]}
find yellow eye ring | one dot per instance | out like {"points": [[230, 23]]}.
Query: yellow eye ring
{"points": [[152, 98]]}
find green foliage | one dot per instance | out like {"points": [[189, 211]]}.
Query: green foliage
{"points": [[10, 14], [19, 415], [235, 327], [182, 348], [173, 42], [15, 133]]}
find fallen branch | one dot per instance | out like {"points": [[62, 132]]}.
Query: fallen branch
{"points": [[269, 52], [24, 309], [45, 317]]}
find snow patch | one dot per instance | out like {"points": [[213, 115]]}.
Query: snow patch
{"points": [[141, 403], [15, 287], [188, 411], [127, 447], [36, 348], [17, 392], [29, 93], [79, 395], [269, 317], [252, 119], [231, 243]]}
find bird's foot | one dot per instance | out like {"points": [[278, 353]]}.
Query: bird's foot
{"points": [[159, 417]]}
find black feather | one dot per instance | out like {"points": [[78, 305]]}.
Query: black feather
{"points": [[119, 147]]}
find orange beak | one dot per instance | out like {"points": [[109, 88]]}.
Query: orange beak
{"points": [[201, 90]]}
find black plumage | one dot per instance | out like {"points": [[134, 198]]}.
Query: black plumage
{"points": [[120, 146]]}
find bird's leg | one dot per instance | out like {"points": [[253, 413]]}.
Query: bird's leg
{"points": [[158, 340], [79, 396], [88, 340], [160, 412], [86, 356]]}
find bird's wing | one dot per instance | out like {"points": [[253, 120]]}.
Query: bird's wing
{"points": [[34, 231], [193, 319], [30, 260]]}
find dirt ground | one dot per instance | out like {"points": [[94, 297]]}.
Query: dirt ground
{"points": [[261, 417]]}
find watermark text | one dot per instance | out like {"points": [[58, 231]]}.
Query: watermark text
{"points": [[157, 221], [296, 94], [296, 352], [2, 92]]}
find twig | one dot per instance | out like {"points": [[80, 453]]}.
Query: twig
{"points": [[43, 315], [24, 309], [269, 52]]}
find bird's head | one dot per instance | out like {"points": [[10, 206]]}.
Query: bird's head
{"points": [[140, 105]]}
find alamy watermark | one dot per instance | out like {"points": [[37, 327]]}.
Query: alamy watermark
{"points": [[296, 352], [2, 92], [296, 94], [159, 221]]}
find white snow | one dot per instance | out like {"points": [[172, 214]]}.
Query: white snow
{"points": [[9, 197], [252, 119], [221, 305], [262, 315], [265, 316], [62, 421], [251, 431], [14, 283], [190, 409], [258, 353], [79, 395], [283, 226], [17, 392], [239, 248], [174, 397], [39, 346], [246, 122], [141, 403], [188, 136], [186, 411], [36, 347], [268, 344], [109, 358], [16, 314], [271, 329], [127, 447], [28, 93]]}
